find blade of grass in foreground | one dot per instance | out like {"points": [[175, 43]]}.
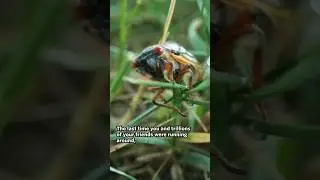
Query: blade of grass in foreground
{"points": [[196, 41], [124, 64], [141, 116], [112, 169], [125, 27], [202, 86], [204, 6]]}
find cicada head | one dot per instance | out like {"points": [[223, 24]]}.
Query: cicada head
{"points": [[149, 60]]}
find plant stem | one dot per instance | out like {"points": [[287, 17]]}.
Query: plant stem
{"points": [[168, 22], [177, 100], [124, 64]]}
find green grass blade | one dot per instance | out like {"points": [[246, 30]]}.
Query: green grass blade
{"points": [[199, 102], [124, 64], [129, 55], [124, 30], [196, 159], [154, 141], [202, 86], [195, 40], [204, 7], [142, 116], [305, 69], [121, 173], [155, 83]]}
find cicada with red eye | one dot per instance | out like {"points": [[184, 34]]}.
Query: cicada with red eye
{"points": [[169, 62]]}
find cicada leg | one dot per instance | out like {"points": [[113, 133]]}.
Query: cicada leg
{"points": [[168, 71], [158, 95], [186, 75], [187, 79], [157, 89]]}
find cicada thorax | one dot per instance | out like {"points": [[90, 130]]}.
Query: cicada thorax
{"points": [[187, 65]]}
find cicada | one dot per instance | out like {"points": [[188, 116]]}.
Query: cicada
{"points": [[169, 62]]}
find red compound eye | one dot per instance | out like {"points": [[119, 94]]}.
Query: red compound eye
{"points": [[158, 50]]}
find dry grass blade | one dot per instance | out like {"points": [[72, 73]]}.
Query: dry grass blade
{"points": [[168, 22], [133, 106]]}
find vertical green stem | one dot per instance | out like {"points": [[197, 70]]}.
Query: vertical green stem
{"points": [[123, 29], [125, 26], [124, 64], [177, 100]]}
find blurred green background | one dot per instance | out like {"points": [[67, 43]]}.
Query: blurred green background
{"points": [[51, 125]]}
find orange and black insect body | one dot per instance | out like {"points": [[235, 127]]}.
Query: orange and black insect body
{"points": [[169, 62]]}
